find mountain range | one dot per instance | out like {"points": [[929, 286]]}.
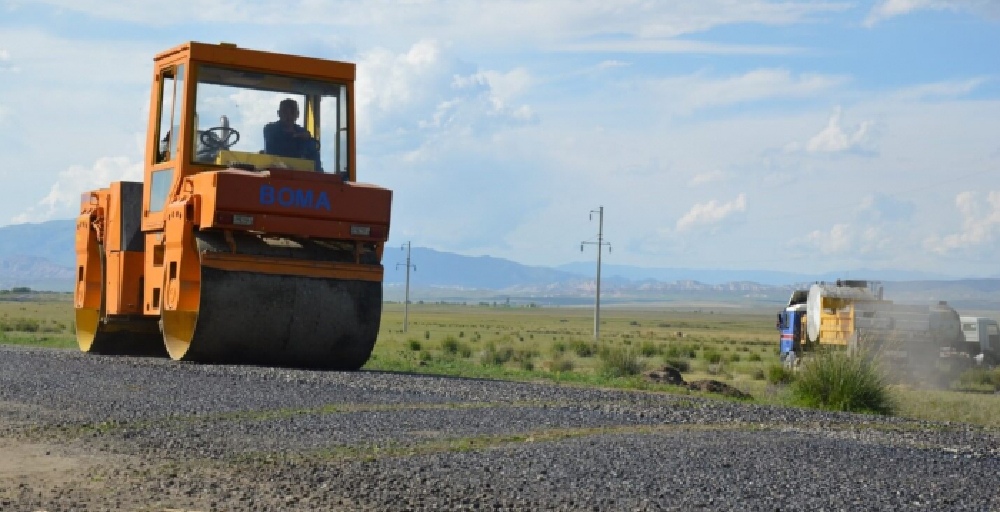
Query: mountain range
{"points": [[41, 256]]}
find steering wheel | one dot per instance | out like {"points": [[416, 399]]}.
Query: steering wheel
{"points": [[218, 138]]}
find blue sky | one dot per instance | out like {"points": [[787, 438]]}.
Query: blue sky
{"points": [[739, 134]]}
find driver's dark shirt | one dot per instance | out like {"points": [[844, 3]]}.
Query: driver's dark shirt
{"points": [[279, 141]]}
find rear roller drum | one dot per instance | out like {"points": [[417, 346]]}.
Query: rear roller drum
{"points": [[98, 334], [126, 337]]}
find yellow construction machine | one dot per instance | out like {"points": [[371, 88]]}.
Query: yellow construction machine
{"points": [[249, 239]]}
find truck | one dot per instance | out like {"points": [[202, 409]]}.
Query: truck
{"points": [[229, 251], [855, 316], [791, 325], [981, 339]]}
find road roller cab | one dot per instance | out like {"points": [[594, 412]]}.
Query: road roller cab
{"points": [[250, 239]]}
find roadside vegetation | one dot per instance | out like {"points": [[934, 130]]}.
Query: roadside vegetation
{"points": [[735, 346], [837, 381], [37, 318]]}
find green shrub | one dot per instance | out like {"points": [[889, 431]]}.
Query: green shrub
{"points": [[450, 345], [558, 347], [618, 362], [649, 349], [496, 356], [734, 358], [681, 365], [680, 351], [522, 355], [583, 348], [561, 365], [464, 350], [413, 344], [20, 325], [754, 357], [778, 374], [979, 377], [758, 374], [712, 356], [839, 382]]}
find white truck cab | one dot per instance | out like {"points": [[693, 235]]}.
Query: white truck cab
{"points": [[982, 338]]}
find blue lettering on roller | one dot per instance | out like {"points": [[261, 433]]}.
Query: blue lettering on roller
{"points": [[288, 197]]}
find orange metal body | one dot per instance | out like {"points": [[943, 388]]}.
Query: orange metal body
{"points": [[115, 280], [98, 235]]}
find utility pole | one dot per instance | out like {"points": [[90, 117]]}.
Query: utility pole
{"points": [[406, 301], [599, 243]]}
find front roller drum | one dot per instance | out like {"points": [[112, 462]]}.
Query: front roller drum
{"points": [[277, 320]]}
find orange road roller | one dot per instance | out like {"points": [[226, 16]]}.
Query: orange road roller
{"points": [[250, 240]]}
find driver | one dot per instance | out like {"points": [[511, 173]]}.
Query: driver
{"points": [[285, 138]]}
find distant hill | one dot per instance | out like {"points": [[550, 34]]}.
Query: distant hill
{"points": [[52, 240], [720, 276], [41, 256], [36, 273], [436, 268]]}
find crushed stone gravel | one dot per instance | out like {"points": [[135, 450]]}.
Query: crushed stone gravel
{"points": [[153, 434]]}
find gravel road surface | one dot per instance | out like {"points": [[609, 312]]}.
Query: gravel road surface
{"points": [[81, 432]]}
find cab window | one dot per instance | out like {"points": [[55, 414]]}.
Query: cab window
{"points": [[264, 120], [171, 91]]}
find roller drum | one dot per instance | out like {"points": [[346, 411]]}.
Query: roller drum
{"points": [[282, 320], [275, 319]]}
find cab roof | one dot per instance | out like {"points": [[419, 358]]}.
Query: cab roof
{"points": [[230, 55]]}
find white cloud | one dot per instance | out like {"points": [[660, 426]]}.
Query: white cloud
{"points": [[846, 240], [706, 178], [387, 82], [940, 90], [711, 213], [409, 99], [693, 92], [980, 224], [833, 139], [886, 9], [612, 64], [5, 62], [677, 46], [640, 25], [885, 208], [506, 86], [837, 240], [63, 199]]}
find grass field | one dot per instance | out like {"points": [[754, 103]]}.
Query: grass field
{"points": [[558, 343], [733, 345], [41, 319]]}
